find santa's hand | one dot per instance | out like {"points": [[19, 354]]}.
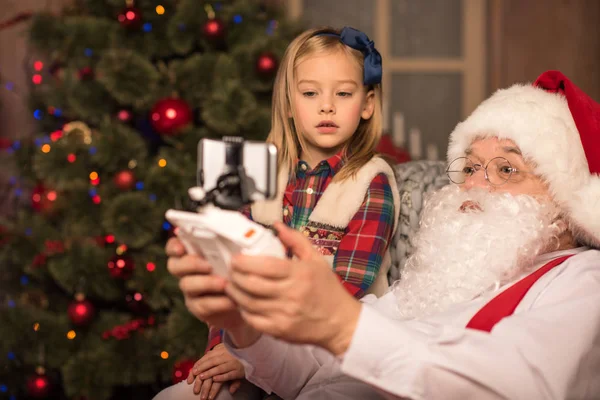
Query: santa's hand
{"points": [[284, 297], [202, 290]]}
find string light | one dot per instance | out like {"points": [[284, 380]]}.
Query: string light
{"points": [[51, 195], [38, 65], [54, 136], [121, 250], [139, 185], [162, 163], [36, 326], [271, 26], [124, 115], [132, 164], [96, 199], [166, 225], [71, 158], [36, 79], [164, 355], [93, 176], [38, 114], [46, 148], [147, 27], [71, 335], [160, 10], [137, 297], [209, 11], [150, 266], [109, 238]]}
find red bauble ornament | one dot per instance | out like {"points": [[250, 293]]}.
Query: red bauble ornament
{"points": [[81, 312], [38, 386], [266, 65], [124, 180], [86, 73], [120, 267], [130, 18], [214, 30], [170, 115], [181, 370], [42, 199]]}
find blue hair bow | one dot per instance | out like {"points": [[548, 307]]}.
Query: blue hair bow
{"points": [[359, 41]]}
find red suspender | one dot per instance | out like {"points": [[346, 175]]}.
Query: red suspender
{"points": [[506, 302]]}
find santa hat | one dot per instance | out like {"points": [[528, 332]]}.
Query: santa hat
{"points": [[557, 126]]}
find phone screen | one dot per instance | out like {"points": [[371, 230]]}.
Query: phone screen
{"points": [[259, 160]]}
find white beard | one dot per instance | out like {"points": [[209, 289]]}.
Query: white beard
{"points": [[460, 254]]}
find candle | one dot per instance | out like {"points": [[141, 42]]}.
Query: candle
{"points": [[432, 152], [414, 144], [385, 113], [398, 136]]}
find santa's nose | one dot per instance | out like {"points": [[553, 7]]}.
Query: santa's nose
{"points": [[477, 180]]}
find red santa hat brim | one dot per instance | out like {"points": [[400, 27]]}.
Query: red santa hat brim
{"points": [[556, 125]]}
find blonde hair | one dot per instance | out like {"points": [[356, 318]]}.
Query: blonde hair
{"points": [[284, 130]]}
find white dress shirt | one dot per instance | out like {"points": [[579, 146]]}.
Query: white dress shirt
{"points": [[548, 349]]}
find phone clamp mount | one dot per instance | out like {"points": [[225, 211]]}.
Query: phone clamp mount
{"points": [[234, 187]]}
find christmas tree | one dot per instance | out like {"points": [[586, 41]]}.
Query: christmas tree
{"points": [[122, 92]]}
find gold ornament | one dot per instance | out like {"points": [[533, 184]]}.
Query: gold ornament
{"points": [[79, 129]]}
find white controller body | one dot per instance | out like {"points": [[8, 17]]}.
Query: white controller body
{"points": [[219, 234]]}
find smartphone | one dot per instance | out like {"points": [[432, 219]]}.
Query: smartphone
{"points": [[259, 159]]}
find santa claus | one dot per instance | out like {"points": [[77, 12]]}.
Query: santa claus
{"points": [[501, 299]]}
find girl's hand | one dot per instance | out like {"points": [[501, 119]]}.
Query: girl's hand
{"points": [[283, 297], [214, 369], [217, 364]]}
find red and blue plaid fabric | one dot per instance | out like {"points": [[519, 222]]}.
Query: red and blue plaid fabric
{"points": [[364, 241]]}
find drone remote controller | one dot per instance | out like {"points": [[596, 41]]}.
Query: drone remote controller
{"points": [[218, 234]]}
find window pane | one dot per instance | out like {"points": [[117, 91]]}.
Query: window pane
{"points": [[426, 28], [430, 103], [339, 13]]}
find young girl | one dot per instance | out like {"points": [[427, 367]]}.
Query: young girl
{"points": [[326, 123]]}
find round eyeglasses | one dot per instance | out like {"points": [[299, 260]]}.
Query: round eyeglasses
{"points": [[497, 171]]}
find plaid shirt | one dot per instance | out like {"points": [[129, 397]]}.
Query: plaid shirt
{"points": [[366, 238]]}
